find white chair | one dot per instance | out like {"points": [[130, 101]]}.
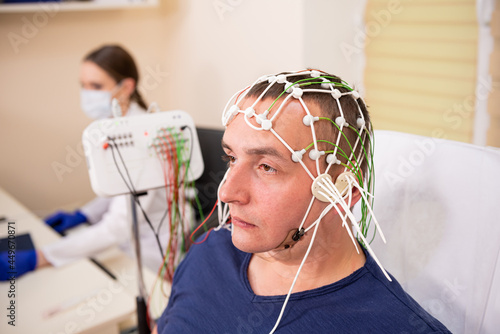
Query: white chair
{"points": [[438, 203]]}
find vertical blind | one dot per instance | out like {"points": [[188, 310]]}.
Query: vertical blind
{"points": [[493, 136], [421, 60]]}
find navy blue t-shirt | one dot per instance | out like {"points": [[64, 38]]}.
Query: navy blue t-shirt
{"points": [[211, 294]]}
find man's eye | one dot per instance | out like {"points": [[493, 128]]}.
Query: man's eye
{"points": [[268, 168], [229, 159]]}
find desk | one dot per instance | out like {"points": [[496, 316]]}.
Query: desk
{"points": [[99, 303]]}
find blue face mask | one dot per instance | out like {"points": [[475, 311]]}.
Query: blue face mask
{"points": [[96, 104]]}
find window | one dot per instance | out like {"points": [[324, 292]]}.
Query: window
{"points": [[421, 60]]}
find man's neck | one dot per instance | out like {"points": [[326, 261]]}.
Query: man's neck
{"points": [[272, 273]]}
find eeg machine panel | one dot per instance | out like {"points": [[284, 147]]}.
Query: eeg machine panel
{"points": [[126, 153]]}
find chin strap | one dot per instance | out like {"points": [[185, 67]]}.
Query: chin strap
{"points": [[291, 239]]}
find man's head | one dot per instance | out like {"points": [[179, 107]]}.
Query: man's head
{"points": [[317, 89], [314, 124]]}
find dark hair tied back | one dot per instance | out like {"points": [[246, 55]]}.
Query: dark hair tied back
{"points": [[119, 64]]}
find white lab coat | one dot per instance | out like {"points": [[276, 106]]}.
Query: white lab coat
{"points": [[111, 225]]}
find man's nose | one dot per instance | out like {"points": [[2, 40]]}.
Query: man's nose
{"points": [[235, 187]]}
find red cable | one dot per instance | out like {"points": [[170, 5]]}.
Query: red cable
{"points": [[204, 222]]}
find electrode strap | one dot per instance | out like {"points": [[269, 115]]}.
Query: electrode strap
{"points": [[291, 239]]}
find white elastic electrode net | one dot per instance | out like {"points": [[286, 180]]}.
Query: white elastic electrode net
{"points": [[326, 190]]}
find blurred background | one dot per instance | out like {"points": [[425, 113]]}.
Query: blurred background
{"points": [[424, 67]]}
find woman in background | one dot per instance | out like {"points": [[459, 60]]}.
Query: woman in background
{"points": [[106, 73]]}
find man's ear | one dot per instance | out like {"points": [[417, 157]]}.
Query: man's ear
{"points": [[344, 184], [356, 196]]}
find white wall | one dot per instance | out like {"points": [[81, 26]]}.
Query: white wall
{"points": [[192, 55]]}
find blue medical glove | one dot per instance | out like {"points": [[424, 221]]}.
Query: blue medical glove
{"points": [[61, 221], [16, 263]]}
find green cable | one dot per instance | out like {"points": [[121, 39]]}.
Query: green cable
{"points": [[365, 225], [345, 138], [342, 84]]}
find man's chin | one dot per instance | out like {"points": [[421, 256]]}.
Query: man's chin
{"points": [[246, 243]]}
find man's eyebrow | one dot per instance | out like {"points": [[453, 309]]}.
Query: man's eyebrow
{"points": [[224, 145], [266, 150]]}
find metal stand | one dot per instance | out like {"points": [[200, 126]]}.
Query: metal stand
{"points": [[142, 314]]}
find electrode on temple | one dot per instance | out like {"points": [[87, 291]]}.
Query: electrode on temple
{"points": [[297, 155], [332, 159], [315, 154], [309, 119]]}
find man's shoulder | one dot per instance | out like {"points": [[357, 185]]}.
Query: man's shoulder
{"points": [[388, 301], [213, 256]]}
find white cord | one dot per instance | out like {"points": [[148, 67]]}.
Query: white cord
{"points": [[358, 230], [325, 211], [291, 150], [328, 188], [364, 194], [332, 192]]}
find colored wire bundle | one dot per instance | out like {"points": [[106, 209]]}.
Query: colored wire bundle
{"points": [[173, 148], [172, 153]]}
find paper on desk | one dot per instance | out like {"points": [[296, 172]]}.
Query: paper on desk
{"points": [[69, 304]]}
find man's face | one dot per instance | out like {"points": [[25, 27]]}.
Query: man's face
{"points": [[267, 193]]}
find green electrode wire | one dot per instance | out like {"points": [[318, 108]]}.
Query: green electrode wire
{"points": [[340, 151], [364, 209], [304, 82], [370, 182], [192, 183], [180, 148], [365, 226]]}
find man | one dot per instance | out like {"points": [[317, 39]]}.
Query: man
{"points": [[298, 150]]}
